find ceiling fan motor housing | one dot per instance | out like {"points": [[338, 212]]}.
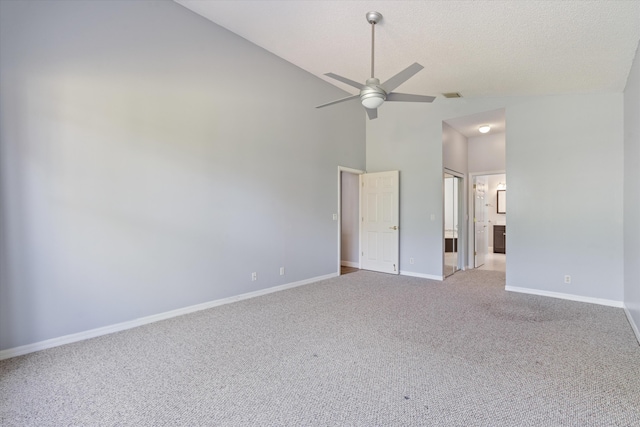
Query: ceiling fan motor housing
{"points": [[372, 95]]}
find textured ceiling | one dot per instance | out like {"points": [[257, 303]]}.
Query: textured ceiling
{"points": [[468, 125], [477, 48]]}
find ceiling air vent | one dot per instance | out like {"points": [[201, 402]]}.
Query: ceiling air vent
{"points": [[452, 95]]}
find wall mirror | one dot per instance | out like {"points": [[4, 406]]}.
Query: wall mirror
{"points": [[502, 201]]}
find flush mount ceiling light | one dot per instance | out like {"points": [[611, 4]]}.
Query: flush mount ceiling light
{"points": [[484, 128]]}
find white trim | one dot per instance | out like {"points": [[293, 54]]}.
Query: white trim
{"points": [[351, 170], [494, 172], [356, 172], [350, 264], [105, 330], [421, 275], [463, 213], [636, 329], [454, 173], [571, 297]]}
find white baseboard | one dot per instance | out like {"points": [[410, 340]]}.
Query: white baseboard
{"points": [[421, 275], [571, 297], [350, 264], [636, 328], [92, 333]]}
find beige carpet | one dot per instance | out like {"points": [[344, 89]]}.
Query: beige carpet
{"points": [[363, 349]]}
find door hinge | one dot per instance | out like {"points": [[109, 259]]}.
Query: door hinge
{"points": [[394, 267], [475, 253], [362, 254]]}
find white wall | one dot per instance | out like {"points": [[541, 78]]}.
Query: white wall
{"points": [[454, 149], [350, 233], [152, 160], [632, 195], [565, 221], [487, 153]]}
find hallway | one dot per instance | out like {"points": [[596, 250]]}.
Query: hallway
{"points": [[494, 262]]}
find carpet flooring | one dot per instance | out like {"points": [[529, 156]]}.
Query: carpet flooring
{"points": [[363, 349]]}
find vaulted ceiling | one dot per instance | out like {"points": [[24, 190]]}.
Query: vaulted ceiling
{"points": [[477, 48]]}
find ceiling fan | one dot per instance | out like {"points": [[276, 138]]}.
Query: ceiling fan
{"points": [[372, 93]]}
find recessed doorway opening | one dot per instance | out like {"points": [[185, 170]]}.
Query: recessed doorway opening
{"points": [[453, 222], [488, 224], [348, 223]]}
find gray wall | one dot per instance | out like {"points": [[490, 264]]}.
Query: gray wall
{"points": [[487, 153], [564, 165], [632, 194], [454, 149], [152, 160], [565, 194], [408, 138]]}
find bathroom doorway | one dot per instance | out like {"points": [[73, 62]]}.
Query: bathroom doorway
{"points": [[488, 224]]}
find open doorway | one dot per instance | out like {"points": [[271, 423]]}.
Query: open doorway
{"points": [[348, 224], [475, 145], [488, 224]]}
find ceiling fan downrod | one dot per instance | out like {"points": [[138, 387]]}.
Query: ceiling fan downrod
{"points": [[373, 18]]}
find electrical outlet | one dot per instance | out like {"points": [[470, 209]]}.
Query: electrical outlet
{"points": [[567, 279], [410, 260], [282, 271], [335, 217], [254, 276]]}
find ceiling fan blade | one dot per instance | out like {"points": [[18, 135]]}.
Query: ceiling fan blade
{"points": [[337, 101], [345, 80], [394, 96], [401, 77], [373, 114]]}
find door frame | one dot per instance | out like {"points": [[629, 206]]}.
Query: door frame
{"points": [[355, 172], [462, 219], [470, 226]]}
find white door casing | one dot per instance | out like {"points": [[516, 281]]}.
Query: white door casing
{"points": [[356, 237], [453, 219], [480, 220], [380, 209]]}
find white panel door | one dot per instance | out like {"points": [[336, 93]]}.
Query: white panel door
{"points": [[379, 204], [480, 219]]}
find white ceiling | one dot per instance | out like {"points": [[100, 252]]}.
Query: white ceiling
{"points": [[477, 48], [468, 125]]}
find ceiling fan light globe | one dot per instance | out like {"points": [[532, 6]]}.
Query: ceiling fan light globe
{"points": [[372, 100]]}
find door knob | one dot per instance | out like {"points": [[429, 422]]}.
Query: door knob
{"points": [[395, 227]]}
